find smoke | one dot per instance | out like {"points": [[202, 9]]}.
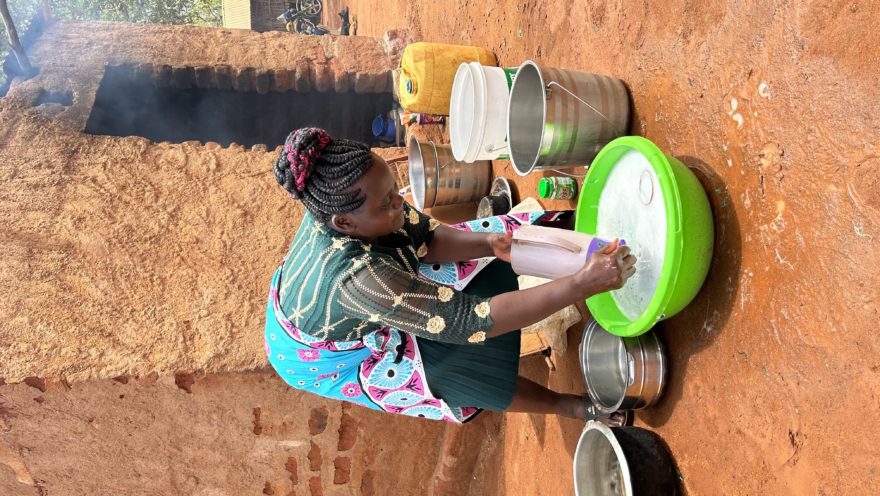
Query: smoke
{"points": [[172, 104], [32, 29]]}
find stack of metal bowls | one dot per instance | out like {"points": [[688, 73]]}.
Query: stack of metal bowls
{"points": [[622, 373]]}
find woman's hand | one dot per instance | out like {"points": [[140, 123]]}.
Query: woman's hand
{"points": [[500, 244], [606, 270]]}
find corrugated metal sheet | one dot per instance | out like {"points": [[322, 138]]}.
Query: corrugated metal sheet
{"points": [[237, 14]]}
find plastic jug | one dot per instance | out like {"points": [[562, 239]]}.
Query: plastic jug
{"points": [[551, 253]]}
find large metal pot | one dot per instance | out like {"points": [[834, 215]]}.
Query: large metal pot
{"points": [[622, 373], [558, 118], [623, 461], [438, 179]]}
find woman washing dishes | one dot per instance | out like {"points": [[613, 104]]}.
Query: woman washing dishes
{"points": [[350, 318]]}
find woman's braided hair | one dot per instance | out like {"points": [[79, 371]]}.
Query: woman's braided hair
{"points": [[316, 169]]}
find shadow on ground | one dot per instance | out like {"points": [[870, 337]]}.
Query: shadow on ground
{"points": [[698, 325]]}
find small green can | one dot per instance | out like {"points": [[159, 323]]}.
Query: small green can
{"points": [[558, 188]]}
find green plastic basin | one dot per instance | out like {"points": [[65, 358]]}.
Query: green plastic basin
{"points": [[689, 235]]}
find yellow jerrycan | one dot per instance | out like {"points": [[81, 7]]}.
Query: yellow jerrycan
{"points": [[427, 71]]}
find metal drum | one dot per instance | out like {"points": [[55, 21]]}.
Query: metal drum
{"points": [[438, 179], [622, 373], [558, 118]]}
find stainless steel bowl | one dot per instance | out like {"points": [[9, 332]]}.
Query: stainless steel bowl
{"points": [[600, 467], [622, 373], [623, 461]]}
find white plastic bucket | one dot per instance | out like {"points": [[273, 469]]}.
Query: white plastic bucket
{"points": [[478, 112], [463, 112]]}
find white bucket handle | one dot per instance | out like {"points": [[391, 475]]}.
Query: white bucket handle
{"points": [[489, 148], [594, 109]]}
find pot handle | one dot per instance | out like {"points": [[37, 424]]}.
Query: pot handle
{"points": [[439, 165], [594, 109], [562, 243], [630, 369]]}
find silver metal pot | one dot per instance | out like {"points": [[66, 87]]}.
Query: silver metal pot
{"points": [[623, 461], [558, 118], [438, 179], [622, 373]]}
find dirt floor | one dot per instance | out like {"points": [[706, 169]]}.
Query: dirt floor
{"points": [[773, 105]]}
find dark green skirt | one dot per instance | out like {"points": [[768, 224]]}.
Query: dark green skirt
{"points": [[477, 375]]}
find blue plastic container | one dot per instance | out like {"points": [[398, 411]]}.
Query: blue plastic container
{"points": [[384, 127]]}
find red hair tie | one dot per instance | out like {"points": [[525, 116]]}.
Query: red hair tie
{"points": [[301, 161]]}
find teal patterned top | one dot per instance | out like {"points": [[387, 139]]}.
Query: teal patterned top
{"points": [[340, 288]]}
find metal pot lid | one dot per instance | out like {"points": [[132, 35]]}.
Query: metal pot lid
{"points": [[500, 187]]}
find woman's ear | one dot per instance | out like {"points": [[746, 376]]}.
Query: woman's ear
{"points": [[343, 223]]}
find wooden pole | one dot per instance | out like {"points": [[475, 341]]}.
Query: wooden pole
{"points": [[14, 44]]}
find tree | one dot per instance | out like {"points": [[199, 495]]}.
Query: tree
{"points": [[14, 41], [198, 12]]}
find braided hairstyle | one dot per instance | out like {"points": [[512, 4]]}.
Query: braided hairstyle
{"points": [[315, 168]]}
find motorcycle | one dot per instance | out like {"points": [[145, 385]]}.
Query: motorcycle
{"points": [[299, 16]]}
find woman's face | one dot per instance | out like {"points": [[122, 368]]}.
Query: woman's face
{"points": [[382, 211]]}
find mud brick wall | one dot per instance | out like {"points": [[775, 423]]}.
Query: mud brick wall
{"points": [[121, 256], [244, 433], [72, 57]]}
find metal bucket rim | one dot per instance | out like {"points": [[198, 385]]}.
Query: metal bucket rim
{"points": [[416, 154], [534, 160], [436, 172]]}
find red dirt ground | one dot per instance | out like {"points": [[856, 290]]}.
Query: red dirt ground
{"points": [[774, 365]]}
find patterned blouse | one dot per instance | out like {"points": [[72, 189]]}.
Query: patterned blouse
{"points": [[341, 288]]}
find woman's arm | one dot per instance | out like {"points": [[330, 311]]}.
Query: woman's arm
{"points": [[381, 291], [605, 270], [453, 245]]}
